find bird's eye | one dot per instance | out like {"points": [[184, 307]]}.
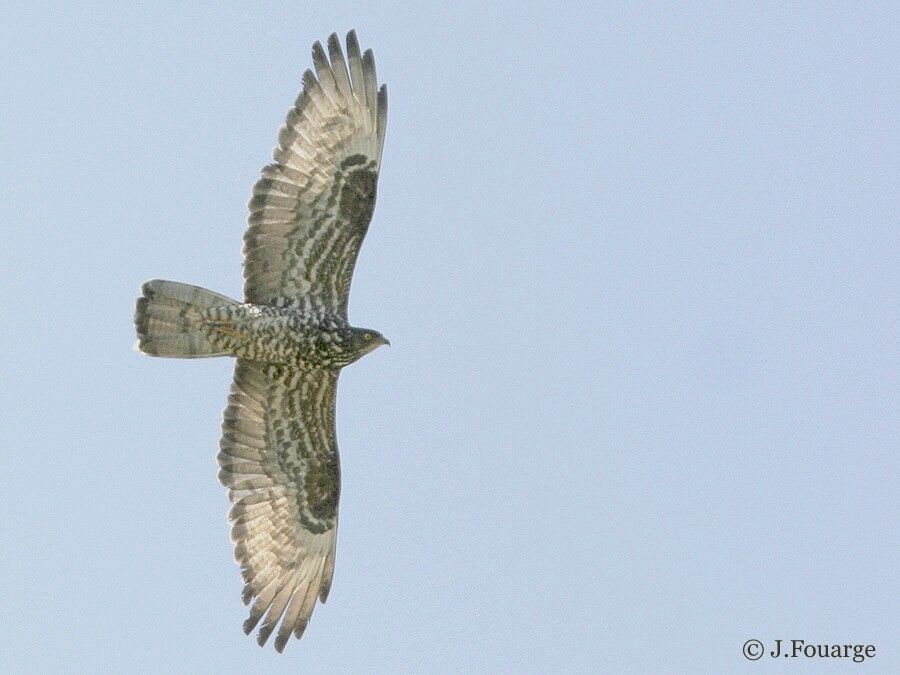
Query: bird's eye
{"points": [[367, 336]]}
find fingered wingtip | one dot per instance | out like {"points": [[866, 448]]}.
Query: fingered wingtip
{"points": [[263, 636]]}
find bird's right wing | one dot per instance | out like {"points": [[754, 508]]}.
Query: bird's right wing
{"points": [[311, 209], [279, 462]]}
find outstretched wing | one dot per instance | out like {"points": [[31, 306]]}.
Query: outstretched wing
{"points": [[311, 209], [279, 460]]}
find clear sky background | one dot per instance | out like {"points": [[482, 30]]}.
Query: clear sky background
{"points": [[639, 267]]}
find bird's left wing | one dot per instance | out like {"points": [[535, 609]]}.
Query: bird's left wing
{"points": [[310, 209], [279, 460]]}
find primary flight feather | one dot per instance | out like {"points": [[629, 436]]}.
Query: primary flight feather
{"points": [[309, 213]]}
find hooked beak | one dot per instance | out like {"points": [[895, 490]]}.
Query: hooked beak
{"points": [[386, 341]]}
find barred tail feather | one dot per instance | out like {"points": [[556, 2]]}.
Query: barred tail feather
{"points": [[168, 319]]}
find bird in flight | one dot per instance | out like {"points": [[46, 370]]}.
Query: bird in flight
{"points": [[309, 212]]}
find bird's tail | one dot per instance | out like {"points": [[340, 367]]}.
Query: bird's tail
{"points": [[169, 319]]}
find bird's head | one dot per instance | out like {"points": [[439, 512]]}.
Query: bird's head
{"points": [[364, 340], [344, 346]]}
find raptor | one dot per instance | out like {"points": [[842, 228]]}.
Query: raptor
{"points": [[309, 213]]}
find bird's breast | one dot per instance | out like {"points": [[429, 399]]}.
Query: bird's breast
{"points": [[277, 335]]}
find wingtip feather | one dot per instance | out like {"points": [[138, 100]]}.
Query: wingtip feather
{"points": [[263, 636], [334, 43], [318, 53]]}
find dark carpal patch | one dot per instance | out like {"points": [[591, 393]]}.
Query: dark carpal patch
{"points": [[322, 485], [353, 160], [358, 197]]}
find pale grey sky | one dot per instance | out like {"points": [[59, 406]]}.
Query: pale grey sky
{"points": [[639, 267]]}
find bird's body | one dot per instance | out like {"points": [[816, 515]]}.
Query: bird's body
{"points": [[309, 213], [278, 335]]}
